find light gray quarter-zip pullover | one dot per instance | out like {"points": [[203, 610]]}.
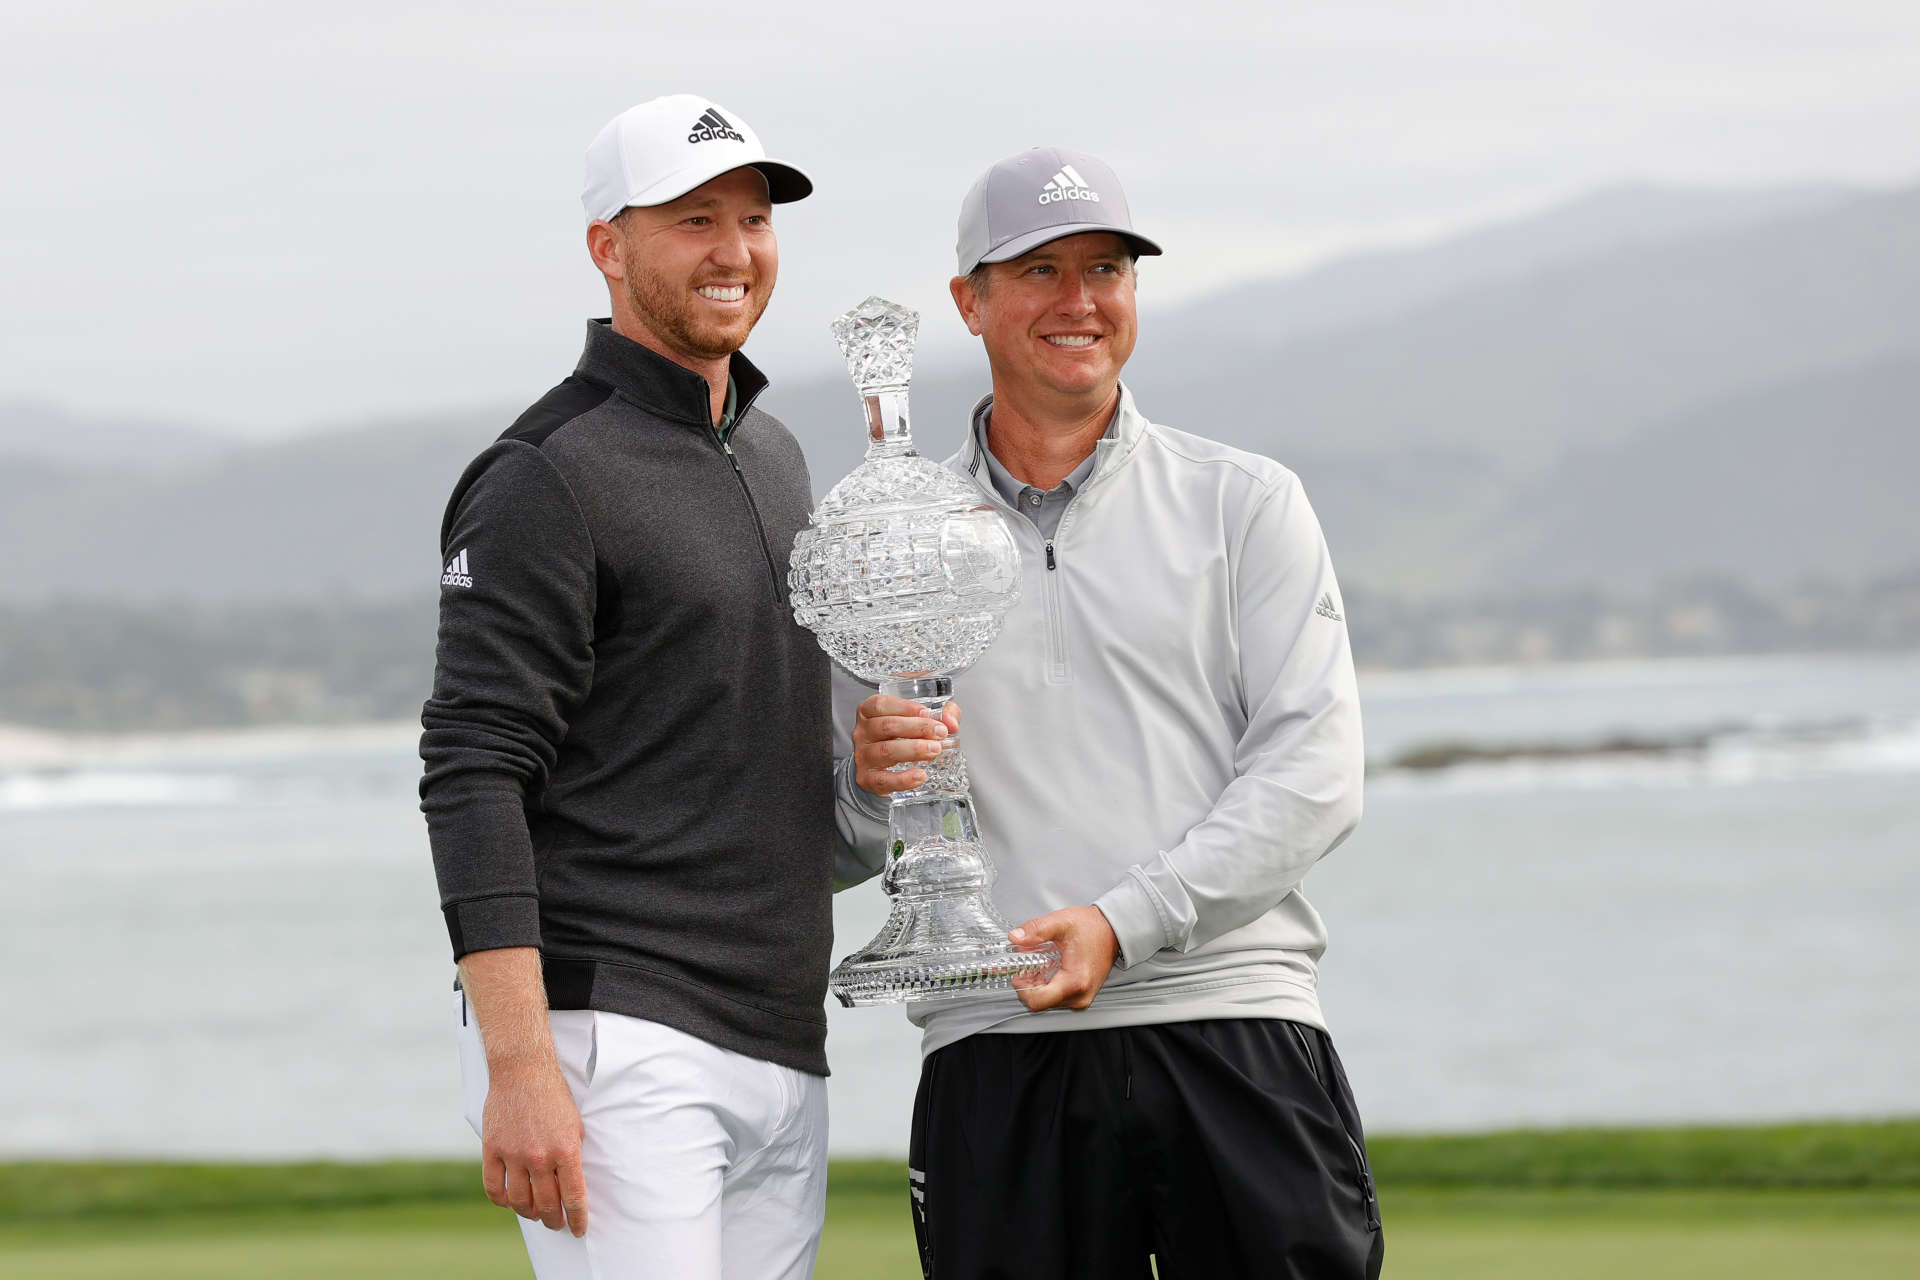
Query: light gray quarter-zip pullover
{"points": [[1167, 727]]}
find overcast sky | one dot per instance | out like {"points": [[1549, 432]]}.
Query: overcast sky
{"points": [[261, 217]]}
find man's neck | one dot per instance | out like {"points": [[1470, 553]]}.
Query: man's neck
{"points": [[1041, 448], [715, 371]]}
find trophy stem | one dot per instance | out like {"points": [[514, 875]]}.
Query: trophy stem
{"points": [[889, 428], [944, 938], [946, 772], [937, 814]]}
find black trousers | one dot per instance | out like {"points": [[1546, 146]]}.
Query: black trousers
{"points": [[1226, 1148]]}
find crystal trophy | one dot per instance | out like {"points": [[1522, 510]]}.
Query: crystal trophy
{"points": [[904, 575]]}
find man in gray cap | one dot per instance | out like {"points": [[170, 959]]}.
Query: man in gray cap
{"points": [[630, 782], [1165, 738]]}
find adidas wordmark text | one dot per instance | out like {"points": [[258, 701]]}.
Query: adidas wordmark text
{"points": [[712, 125], [457, 574], [1068, 185]]}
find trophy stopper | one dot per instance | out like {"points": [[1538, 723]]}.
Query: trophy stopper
{"points": [[877, 339]]}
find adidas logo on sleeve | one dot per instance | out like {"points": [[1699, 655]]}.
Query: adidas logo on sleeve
{"points": [[457, 574], [712, 126], [1067, 185], [1328, 609]]}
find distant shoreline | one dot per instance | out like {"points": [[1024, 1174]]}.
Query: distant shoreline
{"points": [[38, 748], [34, 747]]}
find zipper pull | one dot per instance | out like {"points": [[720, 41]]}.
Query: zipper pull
{"points": [[1049, 553]]}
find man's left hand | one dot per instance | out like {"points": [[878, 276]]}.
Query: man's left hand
{"points": [[1087, 951]]}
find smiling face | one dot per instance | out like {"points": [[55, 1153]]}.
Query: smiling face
{"points": [[693, 274], [1058, 323]]}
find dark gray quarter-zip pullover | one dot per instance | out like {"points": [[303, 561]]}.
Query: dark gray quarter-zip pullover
{"points": [[628, 748]]}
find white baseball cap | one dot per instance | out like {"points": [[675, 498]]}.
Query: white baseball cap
{"points": [[665, 147]]}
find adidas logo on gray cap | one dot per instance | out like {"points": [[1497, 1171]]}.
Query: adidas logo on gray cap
{"points": [[1068, 185]]}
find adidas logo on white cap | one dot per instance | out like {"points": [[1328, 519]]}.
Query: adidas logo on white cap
{"points": [[1067, 185], [456, 574], [712, 126]]}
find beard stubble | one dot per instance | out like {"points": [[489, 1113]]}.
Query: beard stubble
{"points": [[667, 308]]}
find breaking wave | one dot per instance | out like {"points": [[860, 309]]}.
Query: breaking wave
{"points": [[103, 789], [44, 771]]}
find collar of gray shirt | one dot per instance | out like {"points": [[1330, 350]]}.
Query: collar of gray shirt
{"points": [[1011, 489]]}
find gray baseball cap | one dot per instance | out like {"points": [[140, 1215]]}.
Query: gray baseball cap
{"points": [[1041, 195]]}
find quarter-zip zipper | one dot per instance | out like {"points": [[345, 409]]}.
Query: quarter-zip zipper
{"points": [[1059, 670], [753, 509], [1059, 666]]}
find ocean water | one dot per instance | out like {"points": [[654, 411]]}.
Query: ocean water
{"points": [[228, 945]]}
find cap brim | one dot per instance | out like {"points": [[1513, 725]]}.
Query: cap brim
{"points": [[785, 184], [1045, 235]]}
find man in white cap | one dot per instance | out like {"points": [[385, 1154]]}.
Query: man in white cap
{"points": [[630, 780], [1165, 738]]}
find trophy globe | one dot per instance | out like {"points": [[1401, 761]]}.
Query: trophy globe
{"points": [[904, 576]]}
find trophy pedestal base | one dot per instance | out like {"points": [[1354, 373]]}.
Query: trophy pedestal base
{"points": [[864, 979]]}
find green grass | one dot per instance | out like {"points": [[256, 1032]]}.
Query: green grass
{"points": [[476, 1241], [1507, 1234], [1839, 1200], [1872, 1154]]}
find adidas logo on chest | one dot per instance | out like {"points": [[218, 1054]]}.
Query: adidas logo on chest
{"points": [[1067, 185], [457, 574]]}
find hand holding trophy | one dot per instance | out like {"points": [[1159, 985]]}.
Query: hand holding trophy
{"points": [[904, 575]]}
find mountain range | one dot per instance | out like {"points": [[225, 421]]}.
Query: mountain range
{"points": [[1643, 383]]}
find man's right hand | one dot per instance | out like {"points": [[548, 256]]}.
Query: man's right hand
{"points": [[530, 1147], [530, 1127]]}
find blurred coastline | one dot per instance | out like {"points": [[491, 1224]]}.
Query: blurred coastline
{"points": [[102, 668], [1540, 928]]}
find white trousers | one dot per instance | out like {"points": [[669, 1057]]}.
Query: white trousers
{"points": [[701, 1163]]}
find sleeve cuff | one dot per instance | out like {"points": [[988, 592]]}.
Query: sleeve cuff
{"points": [[487, 924], [879, 808], [1130, 908], [861, 851]]}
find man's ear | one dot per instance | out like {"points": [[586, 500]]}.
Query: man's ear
{"points": [[967, 301], [607, 247]]}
